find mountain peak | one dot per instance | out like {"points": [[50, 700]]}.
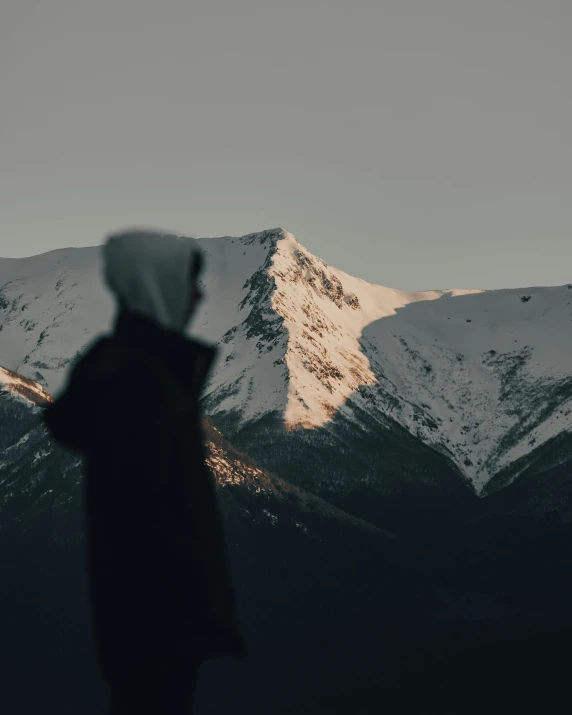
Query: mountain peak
{"points": [[268, 237], [480, 376]]}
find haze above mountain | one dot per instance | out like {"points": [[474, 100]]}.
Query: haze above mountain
{"points": [[481, 377]]}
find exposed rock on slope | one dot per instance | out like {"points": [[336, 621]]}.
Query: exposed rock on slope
{"points": [[310, 353]]}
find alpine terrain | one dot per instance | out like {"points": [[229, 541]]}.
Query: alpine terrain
{"points": [[395, 471], [335, 384]]}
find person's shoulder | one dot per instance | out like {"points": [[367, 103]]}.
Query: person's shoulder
{"points": [[95, 349], [99, 355], [112, 373]]}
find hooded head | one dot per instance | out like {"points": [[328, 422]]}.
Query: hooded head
{"points": [[153, 275]]}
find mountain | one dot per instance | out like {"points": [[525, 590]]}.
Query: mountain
{"points": [[394, 405], [482, 377], [366, 413]]}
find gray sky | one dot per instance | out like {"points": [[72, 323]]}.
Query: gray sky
{"points": [[415, 143]]}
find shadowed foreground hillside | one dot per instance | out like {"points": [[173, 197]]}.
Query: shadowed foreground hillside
{"points": [[340, 616]]}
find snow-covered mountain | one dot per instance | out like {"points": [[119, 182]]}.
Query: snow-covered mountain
{"points": [[483, 378]]}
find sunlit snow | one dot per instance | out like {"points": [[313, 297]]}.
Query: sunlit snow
{"points": [[483, 376]]}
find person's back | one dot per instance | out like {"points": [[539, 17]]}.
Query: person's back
{"points": [[161, 593]]}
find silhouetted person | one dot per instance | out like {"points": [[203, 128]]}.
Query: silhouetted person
{"points": [[160, 588]]}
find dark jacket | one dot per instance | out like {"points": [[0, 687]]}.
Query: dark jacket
{"points": [[160, 583]]}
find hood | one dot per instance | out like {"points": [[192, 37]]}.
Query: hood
{"points": [[150, 275]]}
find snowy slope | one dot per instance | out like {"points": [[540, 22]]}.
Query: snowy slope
{"points": [[51, 305], [486, 376], [481, 376]]}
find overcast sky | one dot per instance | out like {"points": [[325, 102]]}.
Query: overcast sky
{"points": [[415, 143]]}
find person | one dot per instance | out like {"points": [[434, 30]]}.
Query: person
{"points": [[161, 592]]}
